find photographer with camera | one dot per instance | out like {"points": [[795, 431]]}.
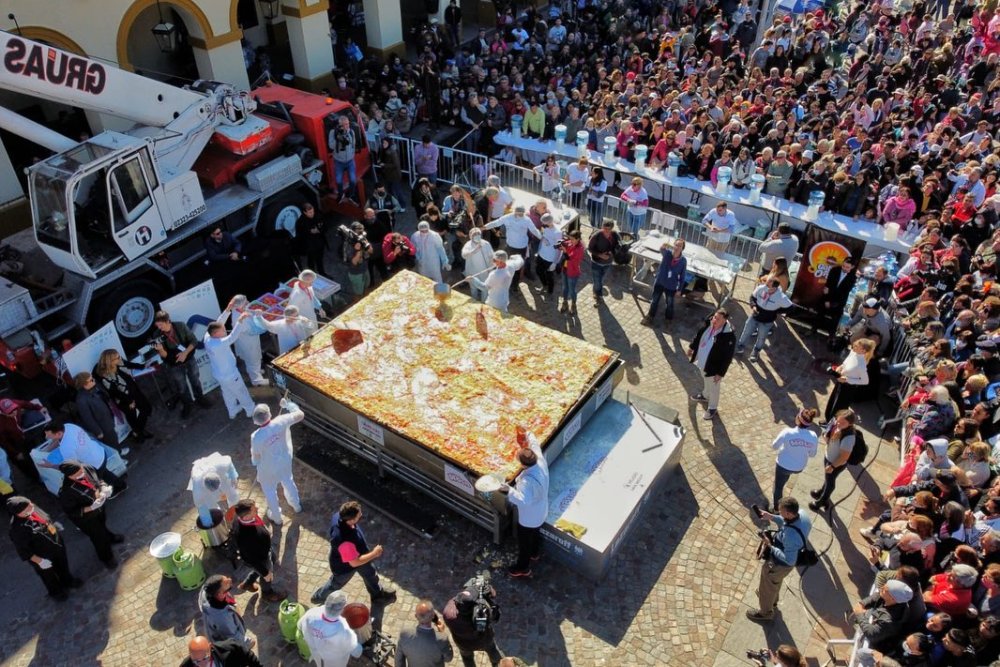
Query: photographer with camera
{"points": [[397, 252], [342, 144], [425, 645], [470, 616], [357, 252], [779, 553], [784, 656], [376, 225]]}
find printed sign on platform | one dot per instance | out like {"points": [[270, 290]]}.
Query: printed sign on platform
{"points": [[197, 307]]}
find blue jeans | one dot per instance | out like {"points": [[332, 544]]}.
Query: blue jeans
{"points": [[595, 209], [338, 581], [660, 291], [598, 272], [339, 168], [569, 287], [762, 329], [633, 222], [781, 477]]}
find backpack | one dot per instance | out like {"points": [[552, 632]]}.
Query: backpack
{"points": [[860, 451]]}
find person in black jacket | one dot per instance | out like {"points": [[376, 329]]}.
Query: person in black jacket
{"points": [[839, 283], [82, 496], [457, 615], [252, 541], [881, 622], [94, 408], [175, 344], [228, 653], [38, 540], [712, 351], [124, 391]]}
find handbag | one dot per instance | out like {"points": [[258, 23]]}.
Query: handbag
{"points": [[807, 555]]}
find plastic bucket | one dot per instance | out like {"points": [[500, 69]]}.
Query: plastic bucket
{"points": [[582, 138], [162, 548], [610, 145], [560, 134], [515, 125]]}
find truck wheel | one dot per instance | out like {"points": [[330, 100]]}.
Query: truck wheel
{"points": [[279, 217], [131, 307]]}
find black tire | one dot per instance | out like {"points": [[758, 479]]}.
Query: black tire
{"points": [[279, 215], [131, 307]]}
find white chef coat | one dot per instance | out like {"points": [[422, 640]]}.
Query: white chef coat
{"points": [[304, 298], [220, 353], [331, 642], [77, 445], [518, 227], [289, 335], [547, 248], [271, 447], [530, 494], [497, 283], [430, 254]]}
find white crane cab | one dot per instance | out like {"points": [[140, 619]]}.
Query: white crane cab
{"points": [[103, 203]]}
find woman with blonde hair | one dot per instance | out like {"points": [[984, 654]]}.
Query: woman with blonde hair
{"points": [[938, 416], [972, 469], [779, 272], [851, 376], [839, 438], [122, 388]]}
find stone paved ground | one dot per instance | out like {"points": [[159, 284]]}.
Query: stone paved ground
{"points": [[675, 596]]}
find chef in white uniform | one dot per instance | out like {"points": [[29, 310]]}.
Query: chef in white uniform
{"points": [[431, 257], [478, 256], [304, 297], [497, 283], [291, 330], [218, 346], [271, 452], [331, 641], [248, 344]]}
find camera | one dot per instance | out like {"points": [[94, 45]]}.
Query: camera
{"points": [[760, 656], [351, 237], [159, 339], [485, 611]]}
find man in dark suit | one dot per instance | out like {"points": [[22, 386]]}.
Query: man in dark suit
{"points": [[838, 288], [228, 653], [82, 496]]}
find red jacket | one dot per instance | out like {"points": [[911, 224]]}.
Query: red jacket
{"points": [[574, 257], [943, 596]]}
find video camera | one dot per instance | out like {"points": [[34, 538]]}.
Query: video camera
{"points": [[485, 611], [352, 237], [760, 656]]}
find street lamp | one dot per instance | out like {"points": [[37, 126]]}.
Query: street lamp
{"points": [[269, 8], [165, 32]]}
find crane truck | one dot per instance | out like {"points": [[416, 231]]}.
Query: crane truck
{"points": [[121, 213]]}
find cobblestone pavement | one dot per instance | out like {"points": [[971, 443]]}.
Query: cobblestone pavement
{"points": [[675, 596]]}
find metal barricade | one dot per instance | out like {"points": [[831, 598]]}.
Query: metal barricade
{"points": [[458, 167], [405, 149], [516, 177]]}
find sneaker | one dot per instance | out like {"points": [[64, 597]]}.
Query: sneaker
{"points": [[564, 308], [709, 414], [868, 533], [646, 321], [249, 587], [739, 349], [276, 519], [518, 574], [262, 383], [402, 210], [384, 595], [297, 508], [125, 451], [818, 507], [698, 397], [815, 493], [753, 357], [758, 616]]}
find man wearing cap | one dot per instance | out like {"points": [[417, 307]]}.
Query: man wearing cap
{"points": [[82, 496], [218, 347], [38, 540], [883, 621], [252, 541], [951, 592], [780, 555], [291, 329], [332, 643], [203, 653], [871, 317], [271, 452], [425, 645], [497, 283], [350, 553], [518, 227], [430, 254]]}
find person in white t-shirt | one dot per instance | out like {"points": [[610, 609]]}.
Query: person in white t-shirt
{"points": [[719, 225], [577, 180], [795, 446]]}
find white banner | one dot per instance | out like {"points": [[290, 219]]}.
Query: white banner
{"points": [[197, 307], [84, 355]]}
